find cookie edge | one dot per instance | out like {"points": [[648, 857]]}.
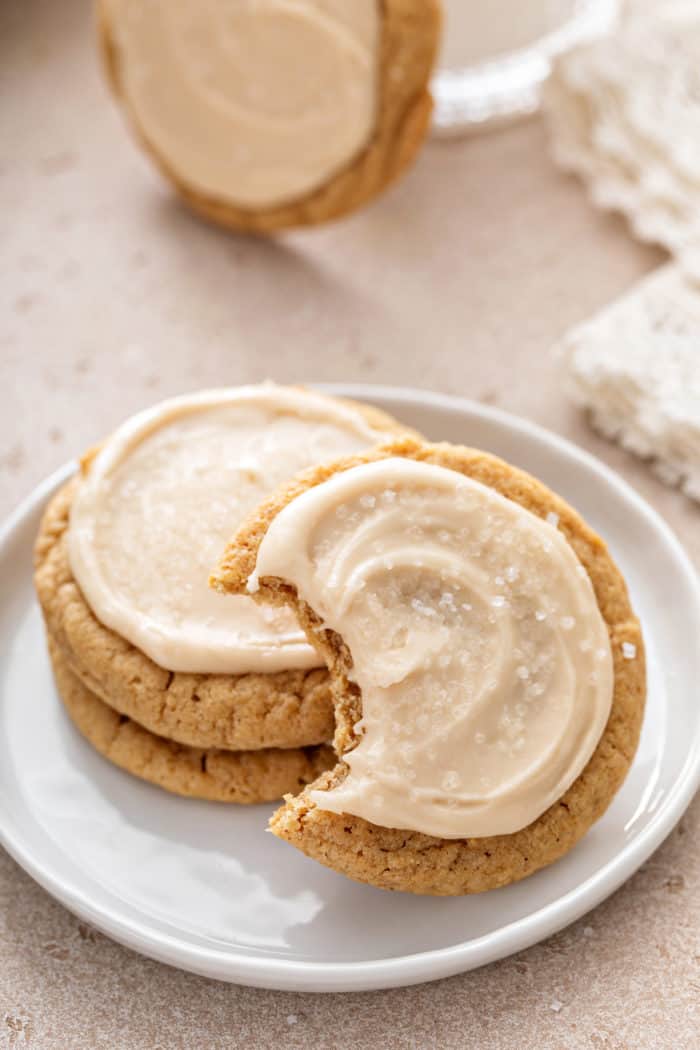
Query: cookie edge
{"points": [[212, 774]]}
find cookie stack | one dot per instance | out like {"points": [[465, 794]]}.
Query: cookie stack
{"points": [[454, 626], [205, 696]]}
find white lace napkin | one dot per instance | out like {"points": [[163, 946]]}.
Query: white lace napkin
{"points": [[624, 114], [636, 367]]}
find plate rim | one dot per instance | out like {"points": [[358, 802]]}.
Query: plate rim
{"points": [[299, 975]]}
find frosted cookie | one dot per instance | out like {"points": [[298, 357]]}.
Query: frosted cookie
{"points": [[124, 552], [266, 115], [487, 666], [220, 776]]}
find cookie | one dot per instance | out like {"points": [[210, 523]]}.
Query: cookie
{"points": [[415, 861], [245, 777], [289, 708], [242, 136]]}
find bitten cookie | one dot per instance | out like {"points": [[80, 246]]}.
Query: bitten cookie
{"points": [[267, 115], [220, 776], [289, 705], [547, 655]]}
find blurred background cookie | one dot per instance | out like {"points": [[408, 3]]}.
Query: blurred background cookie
{"points": [[267, 115]]}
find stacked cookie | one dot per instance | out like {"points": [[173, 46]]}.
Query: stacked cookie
{"points": [[206, 697]]}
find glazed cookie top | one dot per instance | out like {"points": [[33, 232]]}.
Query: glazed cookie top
{"points": [[256, 102], [157, 503], [483, 661]]}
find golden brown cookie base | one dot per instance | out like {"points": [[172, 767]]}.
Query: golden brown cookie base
{"points": [[411, 861], [236, 712], [220, 776], [410, 37]]}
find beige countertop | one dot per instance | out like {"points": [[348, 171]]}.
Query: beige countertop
{"points": [[458, 280]]}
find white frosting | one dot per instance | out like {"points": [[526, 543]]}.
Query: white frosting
{"points": [[483, 661], [253, 102], [163, 497]]}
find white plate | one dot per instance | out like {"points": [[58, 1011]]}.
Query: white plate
{"points": [[201, 885]]}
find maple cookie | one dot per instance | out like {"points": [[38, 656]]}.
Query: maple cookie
{"points": [[487, 667], [124, 552], [220, 776], [266, 115]]}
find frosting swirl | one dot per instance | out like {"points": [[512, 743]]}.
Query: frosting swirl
{"points": [[483, 661]]}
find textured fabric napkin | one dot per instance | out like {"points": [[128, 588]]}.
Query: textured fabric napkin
{"points": [[636, 367], [624, 115]]}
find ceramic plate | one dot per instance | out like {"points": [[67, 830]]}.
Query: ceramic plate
{"points": [[202, 886]]}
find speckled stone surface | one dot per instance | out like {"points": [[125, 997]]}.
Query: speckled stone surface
{"points": [[460, 279]]}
